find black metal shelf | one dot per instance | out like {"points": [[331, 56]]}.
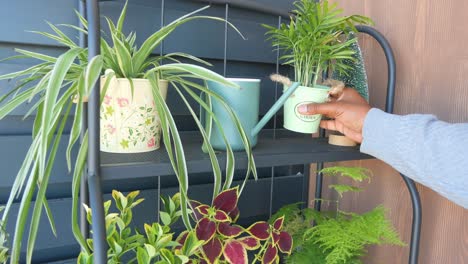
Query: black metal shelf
{"points": [[282, 150], [286, 149]]}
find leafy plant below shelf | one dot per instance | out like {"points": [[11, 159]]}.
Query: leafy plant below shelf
{"points": [[216, 238], [54, 81], [337, 237], [127, 245], [226, 242]]}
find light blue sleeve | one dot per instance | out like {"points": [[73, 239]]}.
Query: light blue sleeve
{"points": [[431, 152]]}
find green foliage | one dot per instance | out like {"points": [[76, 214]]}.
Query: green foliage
{"points": [[356, 76], [56, 82], [128, 245], [336, 237], [343, 188], [346, 236], [3, 241], [315, 39], [355, 173], [310, 254]]}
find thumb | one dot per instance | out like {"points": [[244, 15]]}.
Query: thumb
{"points": [[327, 109]]}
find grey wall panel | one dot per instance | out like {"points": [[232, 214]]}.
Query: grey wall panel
{"points": [[255, 47], [289, 195], [203, 38], [13, 149], [21, 15]]}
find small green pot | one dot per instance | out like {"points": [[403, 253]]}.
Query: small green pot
{"points": [[297, 122]]}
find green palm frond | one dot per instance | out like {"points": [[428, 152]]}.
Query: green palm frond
{"points": [[313, 40]]}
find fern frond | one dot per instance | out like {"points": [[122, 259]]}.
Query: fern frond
{"points": [[343, 188], [346, 236], [355, 173]]}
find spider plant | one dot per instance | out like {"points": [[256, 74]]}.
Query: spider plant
{"points": [[55, 82], [315, 39]]}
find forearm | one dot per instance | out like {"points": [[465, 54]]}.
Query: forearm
{"points": [[430, 151]]}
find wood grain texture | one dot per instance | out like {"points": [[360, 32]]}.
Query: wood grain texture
{"points": [[429, 40]]}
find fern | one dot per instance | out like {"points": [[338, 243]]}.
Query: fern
{"points": [[355, 173], [310, 253], [338, 237], [342, 188], [346, 236]]}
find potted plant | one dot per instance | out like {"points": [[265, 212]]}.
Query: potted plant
{"points": [[336, 236], [216, 238], [142, 246], [58, 82], [314, 41]]}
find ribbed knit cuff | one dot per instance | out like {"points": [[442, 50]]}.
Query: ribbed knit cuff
{"points": [[380, 135]]}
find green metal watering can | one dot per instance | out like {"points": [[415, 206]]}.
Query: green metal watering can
{"points": [[246, 103]]}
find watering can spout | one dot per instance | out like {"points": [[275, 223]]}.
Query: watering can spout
{"points": [[288, 92]]}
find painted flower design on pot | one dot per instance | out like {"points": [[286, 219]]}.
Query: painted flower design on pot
{"points": [[122, 102], [110, 129], [107, 99], [151, 142]]}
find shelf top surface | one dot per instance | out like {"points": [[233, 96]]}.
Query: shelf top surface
{"points": [[279, 149]]}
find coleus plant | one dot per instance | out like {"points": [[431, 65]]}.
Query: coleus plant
{"points": [[226, 242]]}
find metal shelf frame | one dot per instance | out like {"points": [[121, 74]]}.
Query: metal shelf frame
{"points": [[90, 10]]}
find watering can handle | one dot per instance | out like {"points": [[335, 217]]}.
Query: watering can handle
{"points": [[288, 92]]}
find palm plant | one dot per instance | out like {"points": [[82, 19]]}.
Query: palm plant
{"points": [[315, 39], [58, 81]]}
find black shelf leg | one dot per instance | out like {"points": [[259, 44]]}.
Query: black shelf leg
{"points": [[84, 196], [417, 219], [94, 179], [417, 209]]}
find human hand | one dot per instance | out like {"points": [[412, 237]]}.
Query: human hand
{"points": [[347, 109]]}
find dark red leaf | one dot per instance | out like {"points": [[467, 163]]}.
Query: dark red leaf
{"points": [[194, 204], [249, 242], [228, 230], [276, 237], [205, 229], [285, 243], [181, 239], [221, 216], [278, 224], [235, 253], [227, 200], [234, 214], [213, 250], [202, 209], [271, 254], [260, 230]]}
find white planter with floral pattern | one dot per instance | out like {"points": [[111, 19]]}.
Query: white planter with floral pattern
{"points": [[130, 124]]}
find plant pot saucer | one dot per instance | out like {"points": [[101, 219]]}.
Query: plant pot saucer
{"points": [[340, 140]]}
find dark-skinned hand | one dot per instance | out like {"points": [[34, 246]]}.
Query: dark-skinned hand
{"points": [[347, 110]]}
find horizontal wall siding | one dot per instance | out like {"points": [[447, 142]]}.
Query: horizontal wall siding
{"points": [[249, 58]]}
